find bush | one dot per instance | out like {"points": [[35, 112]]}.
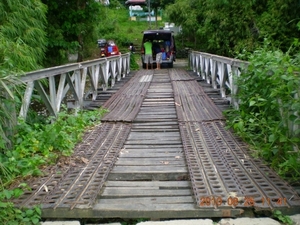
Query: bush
{"points": [[268, 110], [38, 144], [10, 215]]}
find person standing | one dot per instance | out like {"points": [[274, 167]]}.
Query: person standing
{"points": [[132, 48], [148, 54], [159, 58]]}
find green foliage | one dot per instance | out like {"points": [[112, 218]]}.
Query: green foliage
{"points": [[283, 218], [117, 26], [187, 15], [8, 116], [22, 46], [10, 215], [22, 34], [268, 117], [38, 144], [71, 28], [228, 27], [133, 63]]}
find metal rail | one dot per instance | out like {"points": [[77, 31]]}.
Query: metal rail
{"points": [[78, 81], [218, 71]]}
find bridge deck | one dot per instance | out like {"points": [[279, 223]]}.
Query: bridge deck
{"points": [[161, 152]]}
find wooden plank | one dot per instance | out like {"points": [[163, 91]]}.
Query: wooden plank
{"points": [[161, 184], [149, 142], [153, 150], [155, 129], [150, 169], [165, 210], [156, 211], [153, 146], [157, 109], [150, 117], [143, 154], [132, 192], [143, 135], [148, 162], [147, 200], [158, 124], [148, 176]]}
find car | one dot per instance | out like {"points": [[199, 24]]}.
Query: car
{"points": [[112, 49], [108, 48], [164, 41]]}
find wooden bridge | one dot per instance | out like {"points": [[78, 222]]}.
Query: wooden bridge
{"points": [[162, 151]]}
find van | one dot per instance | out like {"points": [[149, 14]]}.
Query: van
{"points": [[162, 40]]}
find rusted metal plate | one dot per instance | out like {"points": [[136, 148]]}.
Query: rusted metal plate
{"points": [[223, 174], [80, 184], [221, 170], [124, 105], [193, 104]]}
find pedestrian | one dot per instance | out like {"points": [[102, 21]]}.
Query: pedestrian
{"points": [[148, 54], [132, 48], [159, 58]]}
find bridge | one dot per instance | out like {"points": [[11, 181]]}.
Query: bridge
{"points": [[162, 151]]}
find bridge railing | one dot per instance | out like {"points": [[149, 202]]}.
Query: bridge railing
{"points": [[218, 71], [77, 81], [222, 72]]}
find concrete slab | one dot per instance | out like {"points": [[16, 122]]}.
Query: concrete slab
{"points": [[179, 222], [296, 219], [249, 221], [60, 223]]}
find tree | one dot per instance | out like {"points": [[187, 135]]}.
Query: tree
{"points": [[159, 4], [22, 34], [71, 26], [228, 27], [184, 13], [22, 46]]}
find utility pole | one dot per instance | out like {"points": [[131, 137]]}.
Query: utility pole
{"points": [[149, 13]]}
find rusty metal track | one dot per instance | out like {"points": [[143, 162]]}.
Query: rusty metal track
{"points": [[125, 104], [194, 106], [41, 186], [81, 184], [190, 99], [221, 171]]}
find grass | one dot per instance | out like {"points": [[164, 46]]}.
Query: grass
{"points": [[118, 26]]}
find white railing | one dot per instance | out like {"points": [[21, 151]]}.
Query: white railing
{"points": [[78, 80], [219, 71]]}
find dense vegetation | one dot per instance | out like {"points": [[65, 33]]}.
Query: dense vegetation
{"points": [[268, 115], [228, 27], [41, 33]]}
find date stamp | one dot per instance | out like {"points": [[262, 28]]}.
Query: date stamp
{"points": [[246, 201]]}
